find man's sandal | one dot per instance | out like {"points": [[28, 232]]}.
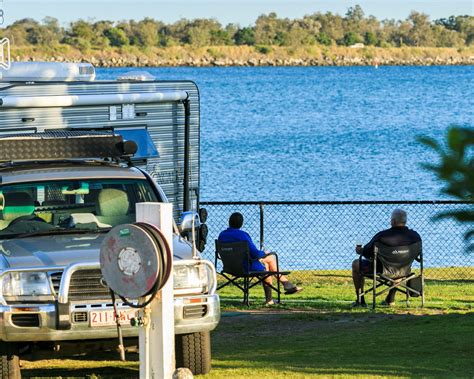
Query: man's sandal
{"points": [[293, 290]]}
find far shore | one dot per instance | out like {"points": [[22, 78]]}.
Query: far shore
{"points": [[251, 56]]}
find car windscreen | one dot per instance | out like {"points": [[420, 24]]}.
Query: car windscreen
{"points": [[70, 205]]}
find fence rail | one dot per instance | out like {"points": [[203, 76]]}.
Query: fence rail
{"points": [[320, 235]]}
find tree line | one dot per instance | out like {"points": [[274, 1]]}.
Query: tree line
{"points": [[315, 29]]}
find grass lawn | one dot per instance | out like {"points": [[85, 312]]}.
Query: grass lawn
{"points": [[300, 345], [316, 334]]}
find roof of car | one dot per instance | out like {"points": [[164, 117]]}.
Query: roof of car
{"points": [[36, 172]]}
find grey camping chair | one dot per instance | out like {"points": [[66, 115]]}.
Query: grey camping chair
{"points": [[392, 269], [234, 255]]}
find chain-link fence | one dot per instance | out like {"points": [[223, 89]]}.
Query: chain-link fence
{"points": [[320, 236]]}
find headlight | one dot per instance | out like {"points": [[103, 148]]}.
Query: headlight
{"points": [[26, 284], [192, 279]]}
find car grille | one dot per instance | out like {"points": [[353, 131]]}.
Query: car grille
{"points": [[78, 317], [84, 285], [56, 280], [194, 311], [26, 320]]}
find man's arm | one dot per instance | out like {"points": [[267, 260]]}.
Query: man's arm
{"points": [[368, 249], [254, 252]]}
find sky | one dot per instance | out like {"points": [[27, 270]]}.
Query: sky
{"points": [[243, 12]]}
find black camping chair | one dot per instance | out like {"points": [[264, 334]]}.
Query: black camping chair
{"points": [[233, 255], [392, 269]]}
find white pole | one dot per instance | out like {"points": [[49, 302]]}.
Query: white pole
{"points": [[156, 339]]}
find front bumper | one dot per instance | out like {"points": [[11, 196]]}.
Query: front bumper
{"points": [[192, 314]]}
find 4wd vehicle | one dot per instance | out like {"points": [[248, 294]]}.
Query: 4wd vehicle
{"points": [[67, 176]]}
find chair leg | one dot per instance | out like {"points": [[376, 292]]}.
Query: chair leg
{"points": [[246, 291], [360, 294], [279, 289], [374, 289], [374, 278], [422, 289]]}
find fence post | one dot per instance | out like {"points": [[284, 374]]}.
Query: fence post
{"points": [[262, 226]]}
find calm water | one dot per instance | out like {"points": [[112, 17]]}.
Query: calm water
{"points": [[323, 133], [338, 133]]}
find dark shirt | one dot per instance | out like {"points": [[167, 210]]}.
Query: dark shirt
{"points": [[395, 236], [236, 235]]}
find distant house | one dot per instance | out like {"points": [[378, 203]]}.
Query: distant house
{"points": [[357, 45]]}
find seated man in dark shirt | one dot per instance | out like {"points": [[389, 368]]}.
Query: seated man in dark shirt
{"points": [[397, 235], [261, 261]]}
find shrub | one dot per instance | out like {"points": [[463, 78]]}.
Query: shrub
{"points": [[117, 37], [263, 49], [370, 38], [323, 39], [245, 36], [351, 38]]}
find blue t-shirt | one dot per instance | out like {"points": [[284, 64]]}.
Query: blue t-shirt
{"points": [[236, 235]]}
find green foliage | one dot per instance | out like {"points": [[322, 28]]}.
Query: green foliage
{"points": [[370, 39], [199, 32], [220, 37], [268, 30], [355, 13], [245, 36], [263, 49], [420, 32], [145, 32], [35, 33], [117, 37], [351, 38], [456, 170], [462, 26], [324, 39]]}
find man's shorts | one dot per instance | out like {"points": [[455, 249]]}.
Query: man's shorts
{"points": [[367, 266]]}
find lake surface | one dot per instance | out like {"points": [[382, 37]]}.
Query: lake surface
{"points": [[322, 133], [326, 133]]}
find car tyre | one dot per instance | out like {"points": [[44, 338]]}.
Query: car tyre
{"points": [[10, 361], [193, 351]]}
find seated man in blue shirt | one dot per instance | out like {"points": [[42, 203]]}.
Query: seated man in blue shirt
{"points": [[397, 235], [261, 261]]}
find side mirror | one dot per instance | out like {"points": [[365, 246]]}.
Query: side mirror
{"points": [[186, 222], [203, 215], [200, 228]]}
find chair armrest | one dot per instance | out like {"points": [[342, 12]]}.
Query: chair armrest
{"points": [[276, 258], [271, 253]]}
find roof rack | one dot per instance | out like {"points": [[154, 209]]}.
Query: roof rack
{"points": [[64, 145]]}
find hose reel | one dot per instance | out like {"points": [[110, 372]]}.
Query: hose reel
{"points": [[136, 261]]}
